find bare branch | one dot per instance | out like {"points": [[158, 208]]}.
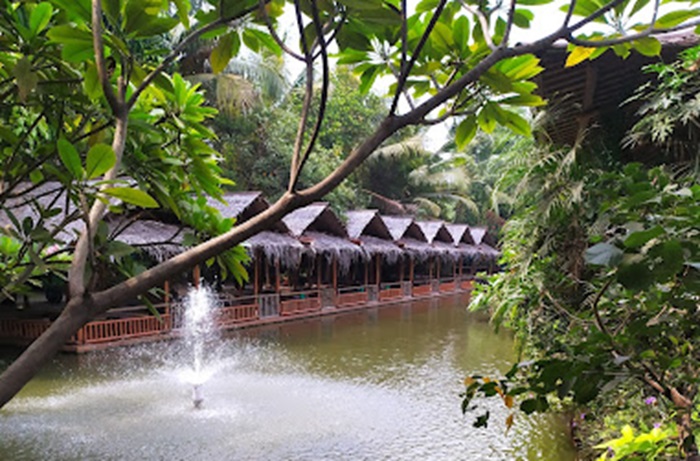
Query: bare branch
{"points": [[324, 95], [629, 38], [509, 23], [98, 45], [405, 71], [275, 36], [308, 96], [483, 21]]}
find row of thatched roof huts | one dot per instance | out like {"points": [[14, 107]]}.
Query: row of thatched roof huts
{"points": [[317, 230]]}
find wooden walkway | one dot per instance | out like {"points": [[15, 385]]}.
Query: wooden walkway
{"points": [[133, 325]]}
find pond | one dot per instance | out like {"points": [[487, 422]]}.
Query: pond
{"points": [[380, 384]]}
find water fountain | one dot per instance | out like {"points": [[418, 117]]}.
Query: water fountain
{"points": [[199, 330]]}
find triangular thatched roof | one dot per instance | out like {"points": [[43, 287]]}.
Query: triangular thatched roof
{"points": [[315, 217], [435, 231], [366, 222], [242, 206], [401, 227], [460, 233]]}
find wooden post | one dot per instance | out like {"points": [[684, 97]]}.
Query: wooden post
{"points": [[366, 273], [196, 274], [277, 276], [319, 266], [454, 269], [438, 264], [430, 268], [410, 271], [256, 271], [378, 266], [460, 267], [335, 274], [401, 270], [166, 297]]}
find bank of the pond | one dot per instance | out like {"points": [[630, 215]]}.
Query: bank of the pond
{"points": [[375, 384]]}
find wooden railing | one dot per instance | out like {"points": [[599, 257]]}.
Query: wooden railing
{"points": [[466, 284], [448, 287], [422, 290], [300, 303], [23, 329], [389, 292], [231, 315], [351, 297], [100, 331]]}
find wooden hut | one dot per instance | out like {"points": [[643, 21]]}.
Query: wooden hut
{"points": [[445, 264], [315, 283], [409, 236], [384, 256]]}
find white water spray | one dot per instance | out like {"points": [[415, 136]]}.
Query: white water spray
{"points": [[199, 329]]}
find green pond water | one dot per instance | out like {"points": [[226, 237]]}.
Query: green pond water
{"points": [[380, 384]]}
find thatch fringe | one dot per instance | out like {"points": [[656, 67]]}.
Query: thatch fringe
{"points": [[158, 240], [277, 247], [330, 247]]}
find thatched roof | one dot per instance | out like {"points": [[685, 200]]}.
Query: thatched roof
{"points": [[315, 217], [402, 227], [366, 222], [159, 240], [460, 233], [30, 200], [435, 231], [333, 247], [242, 206], [390, 251], [277, 247]]}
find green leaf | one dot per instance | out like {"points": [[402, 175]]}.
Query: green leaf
{"points": [[222, 53], [100, 158], [529, 100], [675, 18], [40, 17], [487, 118], [648, 46], [133, 196], [638, 5], [91, 82], [603, 254], [183, 12], [522, 18], [460, 33], [427, 5], [637, 239], [25, 78], [465, 132], [70, 158], [367, 78], [119, 249], [635, 276], [578, 55]]}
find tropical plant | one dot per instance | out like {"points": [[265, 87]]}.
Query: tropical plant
{"points": [[73, 71]]}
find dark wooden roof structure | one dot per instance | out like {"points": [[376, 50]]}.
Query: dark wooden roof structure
{"points": [[587, 97]]}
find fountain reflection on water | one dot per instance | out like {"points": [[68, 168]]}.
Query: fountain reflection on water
{"points": [[378, 384]]}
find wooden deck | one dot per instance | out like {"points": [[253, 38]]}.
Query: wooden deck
{"points": [[132, 325]]}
